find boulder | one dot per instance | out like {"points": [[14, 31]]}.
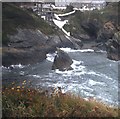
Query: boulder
{"points": [[62, 61]]}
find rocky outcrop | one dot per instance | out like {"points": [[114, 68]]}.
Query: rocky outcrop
{"points": [[25, 47], [62, 61], [29, 46], [106, 33], [91, 27], [13, 56], [113, 47]]}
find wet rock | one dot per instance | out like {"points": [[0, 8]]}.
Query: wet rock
{"points": [[13, 56], [62, 61]]}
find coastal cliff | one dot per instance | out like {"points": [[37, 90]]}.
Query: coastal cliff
{"points": [[27, 38]]}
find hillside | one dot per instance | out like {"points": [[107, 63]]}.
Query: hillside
{"points": [[76, 21], [97, 27], [21, 102], [14, 17]]}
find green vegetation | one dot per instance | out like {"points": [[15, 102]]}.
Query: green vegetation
{"points": [[15, 17], [109, 13], [24, 102], [69, 8]]}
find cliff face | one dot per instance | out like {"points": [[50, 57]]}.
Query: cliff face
{"points": [[27, 38], [14, 17], [23, 42], [97, 26], [25, 47]]}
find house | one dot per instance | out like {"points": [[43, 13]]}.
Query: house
{"points": [[81, 3]]}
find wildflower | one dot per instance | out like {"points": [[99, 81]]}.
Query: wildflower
{"points": [[18, 86], [23, 86], [96, 108], [18, 90], [12, 88], [24, 81], [29, 90], [30, 99], [13, 82]]}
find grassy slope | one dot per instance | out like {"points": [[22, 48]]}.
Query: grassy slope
{"points": [[21, 102], [15, 17]]}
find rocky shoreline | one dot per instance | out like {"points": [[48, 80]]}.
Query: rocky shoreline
{"points": [[28, 46]]}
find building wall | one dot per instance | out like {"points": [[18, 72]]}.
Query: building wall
{"points": [[61, 3], [80, 3]]}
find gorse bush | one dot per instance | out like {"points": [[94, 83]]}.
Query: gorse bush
{"points": [[23, 102]]}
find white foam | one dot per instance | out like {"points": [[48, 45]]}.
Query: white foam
{"points": [[22, 73], [76, 63], [72, 50], [87, 50], [78, 69], [35, 76], [99, 74], [65, 73], [92, 83], [88, 94], [50, 57], [101, 51], [17, 66], [4, 67], [114, 61]]}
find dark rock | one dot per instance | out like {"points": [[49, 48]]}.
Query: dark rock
{"points": [[91, 27], [84, 37], [106, 33], [62, 61], [29, 46], [113, 47], [26, 47], [15, 56]]}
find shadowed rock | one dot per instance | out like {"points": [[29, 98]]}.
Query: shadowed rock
{"points": [[62, 61], [91, 27], [113, 47], [106, 33]]}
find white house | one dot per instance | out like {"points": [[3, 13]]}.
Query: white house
{"points": [[81, 3]]}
